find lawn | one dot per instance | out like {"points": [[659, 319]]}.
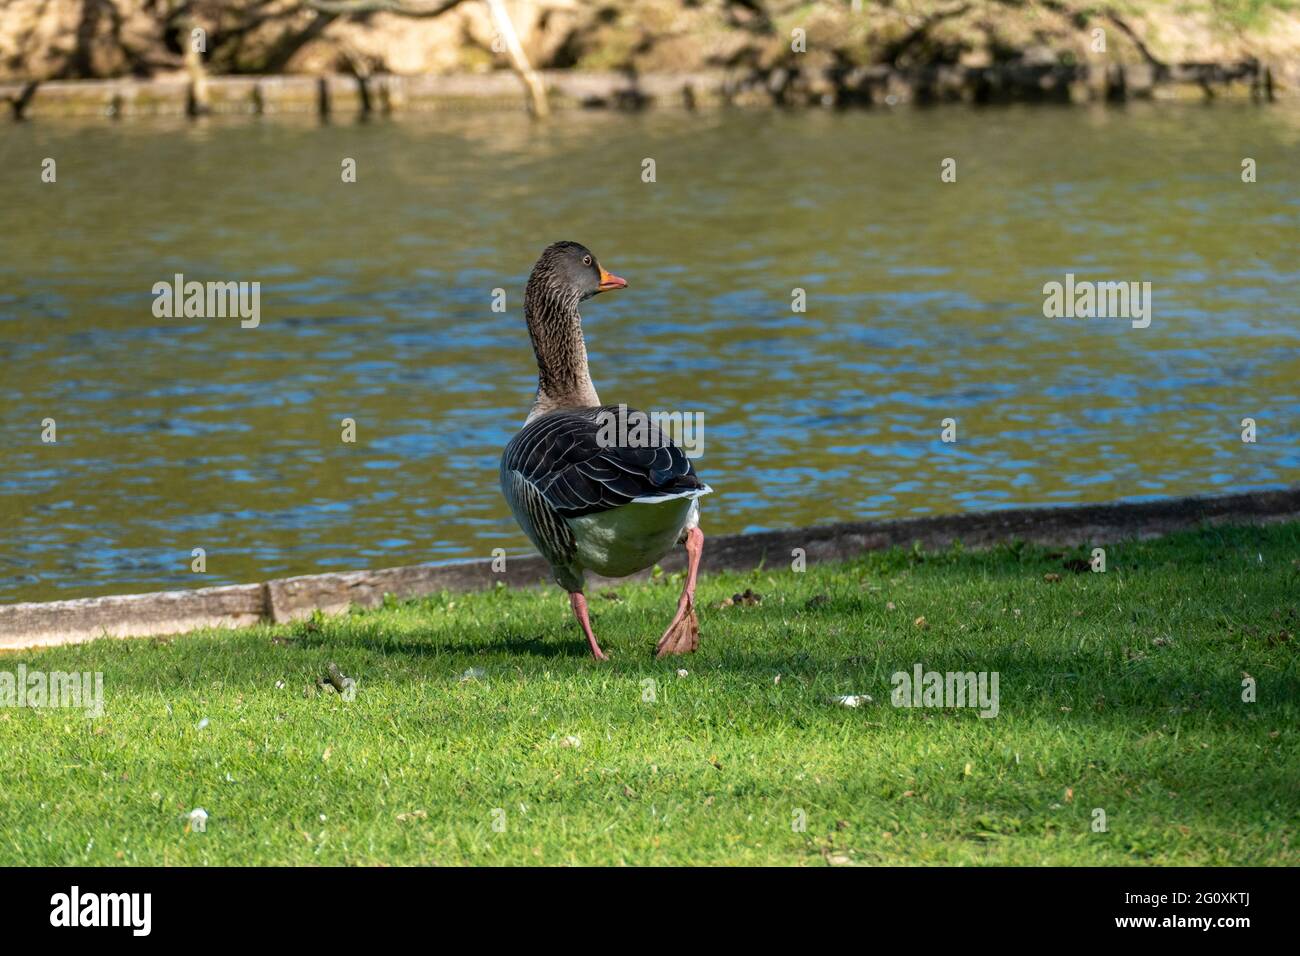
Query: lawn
{"points": [[482, 733]]}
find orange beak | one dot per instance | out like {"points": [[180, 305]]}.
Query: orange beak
{"points": [[609, 281]]}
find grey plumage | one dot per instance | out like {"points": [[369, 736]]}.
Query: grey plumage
{"points": [[556, 469]]}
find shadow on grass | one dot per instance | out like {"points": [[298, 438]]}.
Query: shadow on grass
{"points": [[1093, 690], [746, 645], [511, 645]]}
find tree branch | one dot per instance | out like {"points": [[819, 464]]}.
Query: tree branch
{"points": [[537, 102]]}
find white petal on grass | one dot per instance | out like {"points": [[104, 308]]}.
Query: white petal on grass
{"points": [[852, 700]]}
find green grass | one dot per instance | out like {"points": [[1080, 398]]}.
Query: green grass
{"points": [[1120, 691]]}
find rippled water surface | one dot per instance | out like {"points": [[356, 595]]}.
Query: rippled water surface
{"points": [[924, 301]]}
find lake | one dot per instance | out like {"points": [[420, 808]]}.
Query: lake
{"points": [[924, 301]]}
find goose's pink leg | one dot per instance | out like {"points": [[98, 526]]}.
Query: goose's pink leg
{"points": [[578, 601], [683, 634]]}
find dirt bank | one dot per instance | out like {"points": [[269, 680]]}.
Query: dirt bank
{"points": [[770, 50]]}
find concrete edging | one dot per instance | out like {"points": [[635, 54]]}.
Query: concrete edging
{"points": [[176, 612]]}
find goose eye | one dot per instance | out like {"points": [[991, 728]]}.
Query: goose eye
{"points": [[586, 260]]}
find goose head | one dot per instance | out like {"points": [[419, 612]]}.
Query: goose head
{"points": [[565, 274], [568, 271]]}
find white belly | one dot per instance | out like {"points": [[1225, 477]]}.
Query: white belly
{"points": [[632, 537]]}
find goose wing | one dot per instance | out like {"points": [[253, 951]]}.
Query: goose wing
{"points": [[569, 462]]}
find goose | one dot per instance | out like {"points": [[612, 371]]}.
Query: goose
{"points": [[585, 502]]}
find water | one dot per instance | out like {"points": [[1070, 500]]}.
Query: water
{"points": [[924, 302]]}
